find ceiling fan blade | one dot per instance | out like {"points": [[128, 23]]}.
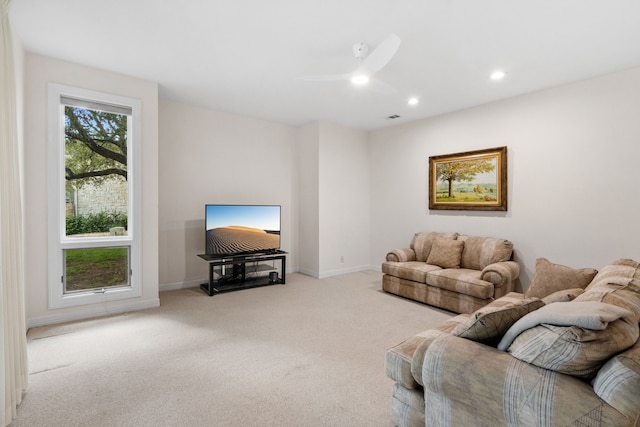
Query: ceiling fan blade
{"points": [[325, 77], [382, 87], [381, 55]]}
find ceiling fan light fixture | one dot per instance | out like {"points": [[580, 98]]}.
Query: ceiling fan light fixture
{"points": [[370, 62], [498, 75], [360, 79]]}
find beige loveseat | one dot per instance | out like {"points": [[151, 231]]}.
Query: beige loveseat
{"points": [[453, 271], [570, 358]]}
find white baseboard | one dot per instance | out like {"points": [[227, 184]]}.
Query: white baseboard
{"points": [[309, 273], [196, 283], [330, 273], [93, 311], [338, 272], [182, 285]]}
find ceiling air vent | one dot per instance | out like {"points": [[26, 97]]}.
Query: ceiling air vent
{"points": [[394, 116]]}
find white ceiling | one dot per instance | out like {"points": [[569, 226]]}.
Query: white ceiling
{"points": [[247, 56]]}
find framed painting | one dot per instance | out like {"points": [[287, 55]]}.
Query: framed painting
{"points": [[475, 180]]}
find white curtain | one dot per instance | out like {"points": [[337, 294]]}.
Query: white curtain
{"points": [[13, 347]]}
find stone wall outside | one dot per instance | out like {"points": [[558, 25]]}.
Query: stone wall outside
{"points": [[109, 196]]}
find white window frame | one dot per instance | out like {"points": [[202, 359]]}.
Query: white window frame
{"points": [[58, 241]]}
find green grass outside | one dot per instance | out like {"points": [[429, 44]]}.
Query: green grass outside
{"points": [[96, 268], [467, 198]]}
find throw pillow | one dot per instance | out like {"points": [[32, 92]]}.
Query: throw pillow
{"points": [[488, 324], [573, 338], [446, 253], [549, 278], [563, 296]]}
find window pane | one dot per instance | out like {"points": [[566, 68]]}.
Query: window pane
{"points": [[95, 268], [94, 176], [95, 172]]}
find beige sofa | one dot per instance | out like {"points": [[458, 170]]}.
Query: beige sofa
{"points": [[453, 271], [570, 358]]}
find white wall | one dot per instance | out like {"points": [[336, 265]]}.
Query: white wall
{"points": [[319, 173], [307, 152], [344, 202], [39, 71], [573, 190], [208, 156], [333, 172], [573, 151]]}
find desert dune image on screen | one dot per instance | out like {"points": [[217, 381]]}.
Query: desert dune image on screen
{"points": [[237, 229]]}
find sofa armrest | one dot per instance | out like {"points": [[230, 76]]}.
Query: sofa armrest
{"points": [[401, 255], [427, 338], [400, 359], [468, 383], [503, 275]]}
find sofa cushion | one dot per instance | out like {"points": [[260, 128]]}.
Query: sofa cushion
{"points": [[618, 382], [412, 270], [573, 338], [446, 253], [470, 384], [549, 278], [621, 269], [461, 280], [422, 242], [480, 252], [488, 324], [619, 284]]}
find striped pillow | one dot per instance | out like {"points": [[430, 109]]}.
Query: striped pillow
{"points": [[489, 323], [573, 350]]}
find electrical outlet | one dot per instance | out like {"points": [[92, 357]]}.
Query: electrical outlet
{"points": [[341, 258]]}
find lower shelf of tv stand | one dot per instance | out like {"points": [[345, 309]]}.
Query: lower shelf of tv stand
{"points": [[245, 272], [236, 285]]}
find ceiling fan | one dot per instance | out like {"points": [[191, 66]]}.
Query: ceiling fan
{"points": [[368, 65]]}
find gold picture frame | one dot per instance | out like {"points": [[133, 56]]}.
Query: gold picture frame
{"points": [[474, 180]]}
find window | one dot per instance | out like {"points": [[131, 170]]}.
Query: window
{"points": [[94, 194]]}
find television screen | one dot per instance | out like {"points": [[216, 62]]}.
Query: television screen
{"points": [[238, 229]]}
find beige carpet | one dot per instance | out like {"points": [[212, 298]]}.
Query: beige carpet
{"points": [[308, 353]]}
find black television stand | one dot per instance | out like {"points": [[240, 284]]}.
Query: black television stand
{"points": [[234, 272]]}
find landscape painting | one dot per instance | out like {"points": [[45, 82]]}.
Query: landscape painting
{"points": [[474, 180]]}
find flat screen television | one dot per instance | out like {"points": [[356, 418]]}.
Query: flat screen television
{"points": [[241, 229]]}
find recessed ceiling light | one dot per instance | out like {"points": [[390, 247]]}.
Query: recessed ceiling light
{"points": [[360, 79], [498, 75], [413, 101]]}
